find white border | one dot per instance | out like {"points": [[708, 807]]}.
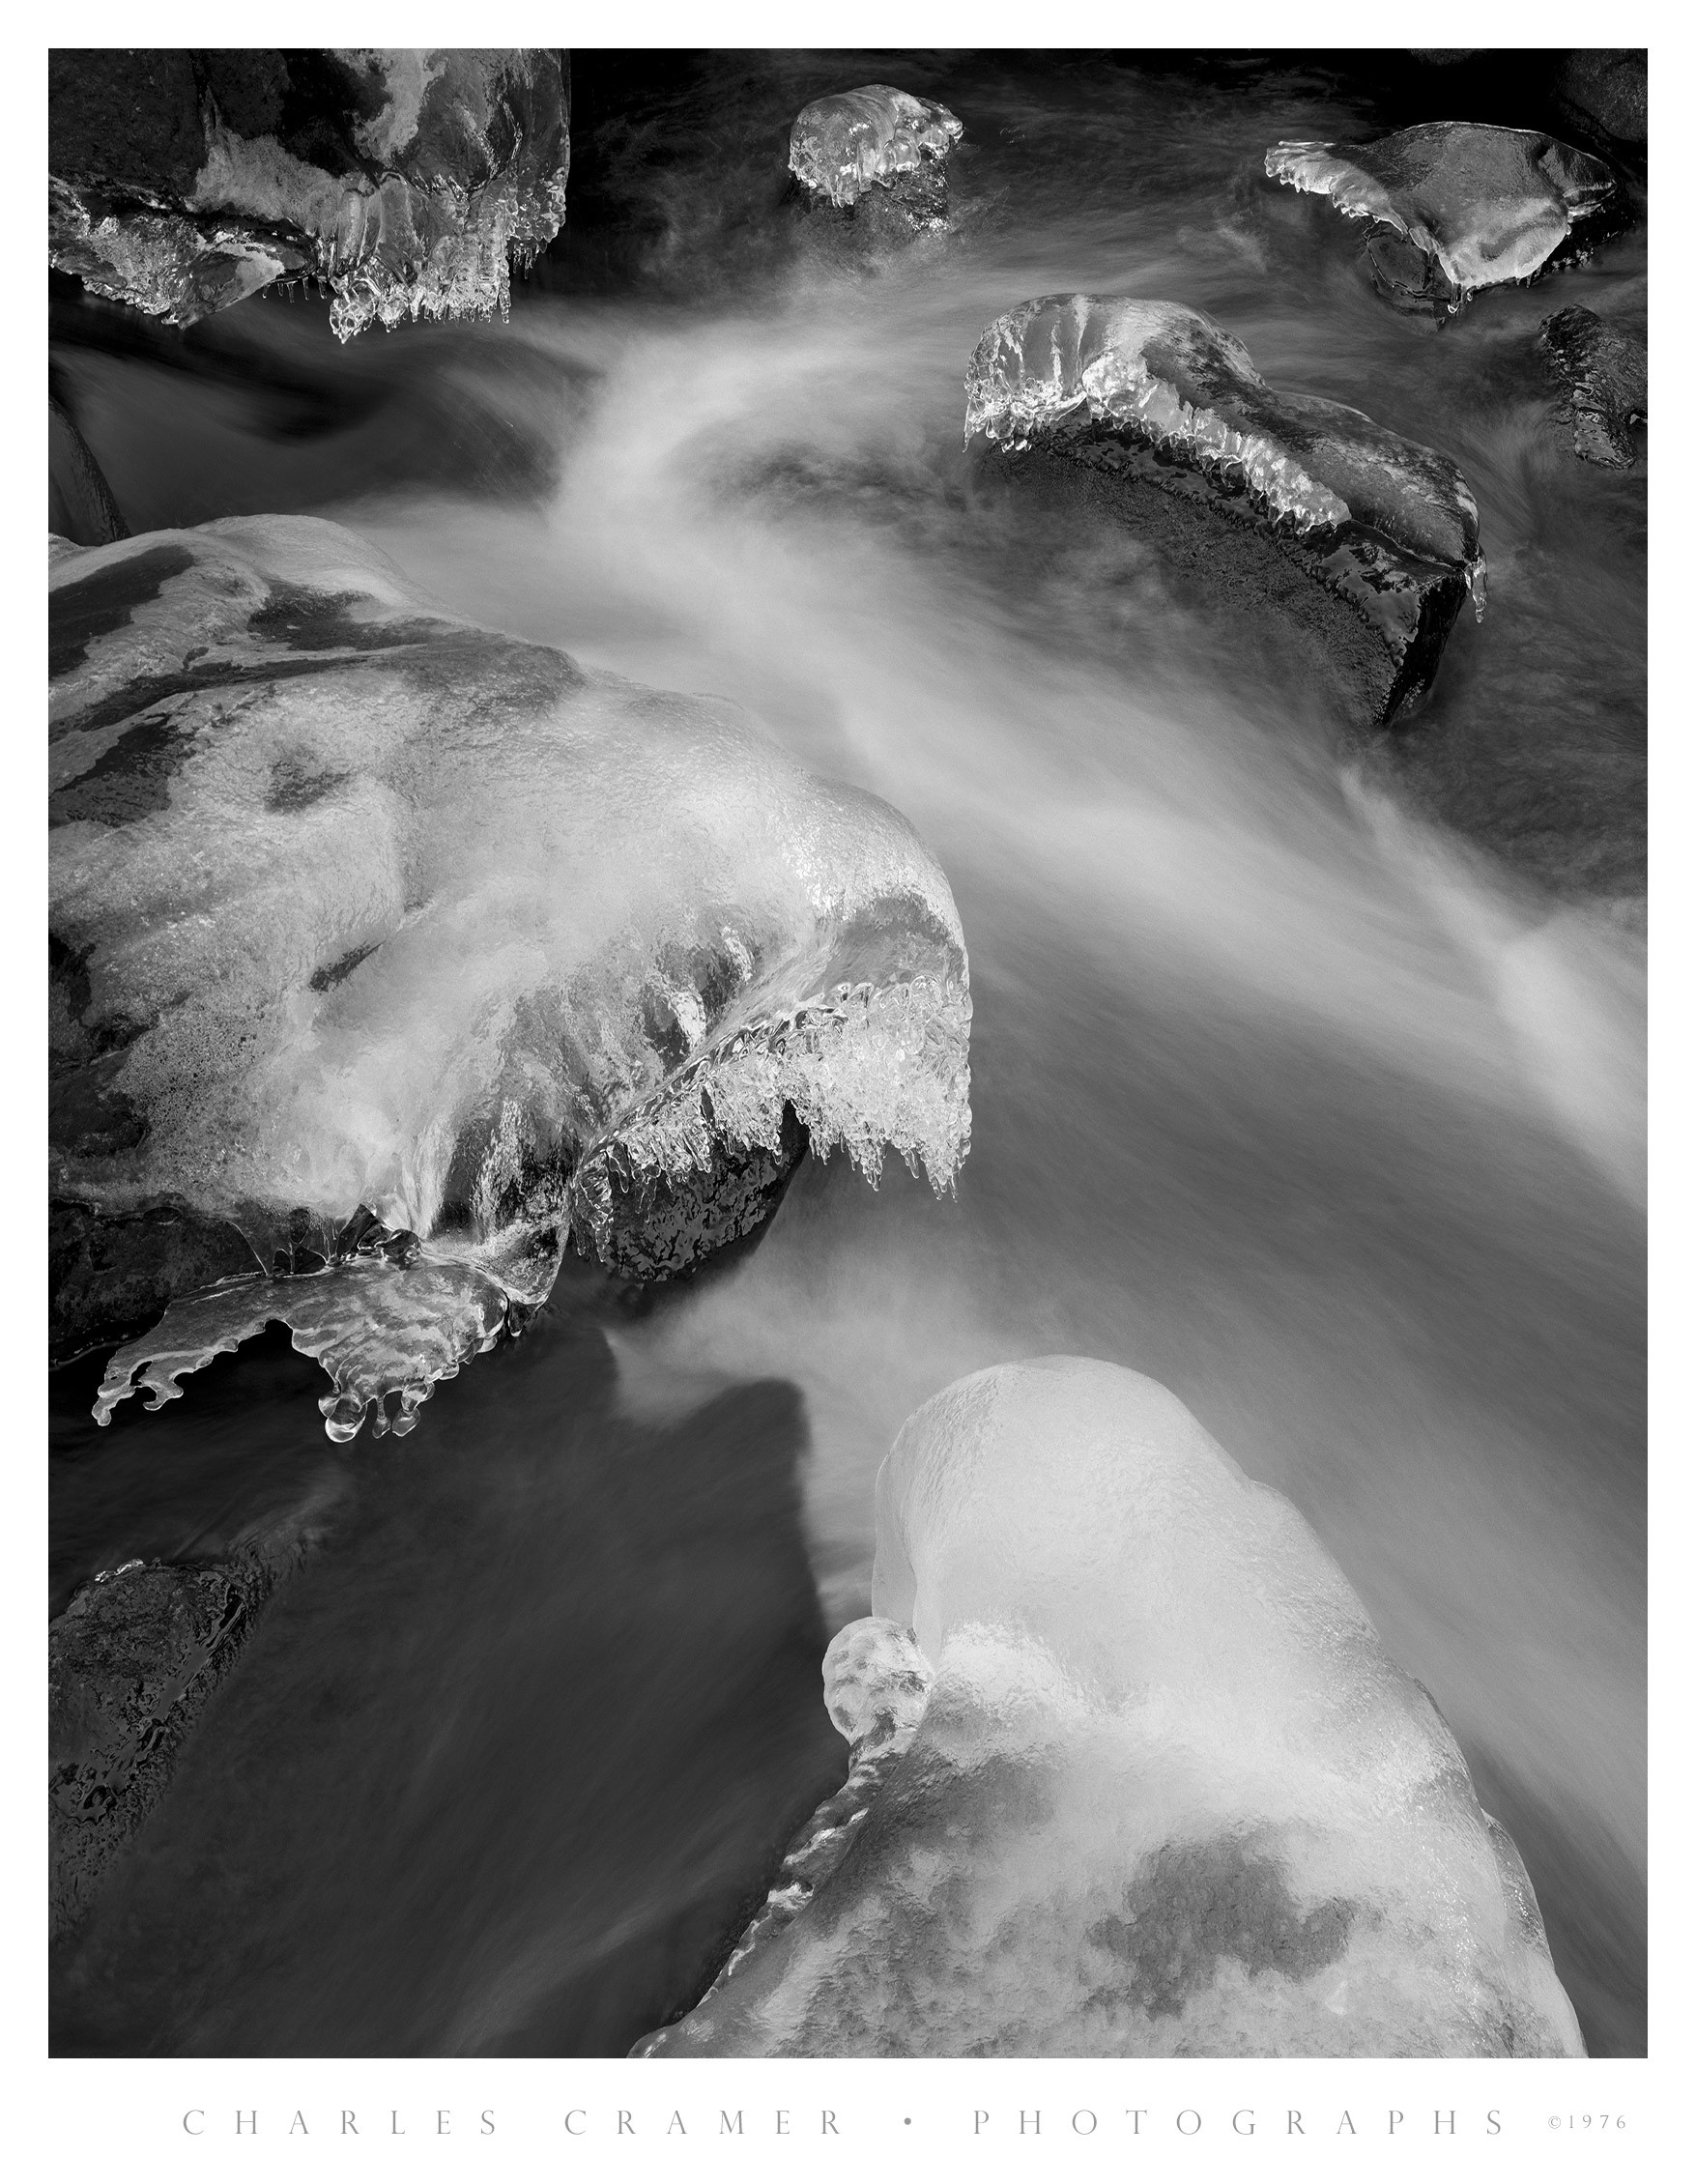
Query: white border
{"points": [[62, 2114]]}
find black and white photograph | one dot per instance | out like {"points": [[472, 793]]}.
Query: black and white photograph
{"points": [[847, 1083]]}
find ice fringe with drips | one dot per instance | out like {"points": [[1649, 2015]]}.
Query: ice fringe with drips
{"points": [[1176, 380], [365, 907]]}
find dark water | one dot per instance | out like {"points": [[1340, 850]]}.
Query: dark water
{"points": [[1306, 1066]]}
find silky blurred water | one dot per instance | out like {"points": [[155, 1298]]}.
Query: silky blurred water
{"points": [[1308, 1066]]}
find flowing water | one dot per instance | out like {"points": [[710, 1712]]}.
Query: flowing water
{"points": [[1306, 1066]]}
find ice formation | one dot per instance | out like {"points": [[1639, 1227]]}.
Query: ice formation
{"points": [[1472, 206], [409, 181], [841, 146], [1147, 413], [1168, 1793], [1171, 377], [405, 947]]}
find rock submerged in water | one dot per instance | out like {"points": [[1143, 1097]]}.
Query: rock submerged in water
{"points": [[407, 178], [390, 952], [1149, 415], [1605, 373], [1456, 207], [1146, 1781], [130, 1665], [876, 146]]}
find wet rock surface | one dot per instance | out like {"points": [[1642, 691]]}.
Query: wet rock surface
{"points": [[1607, 89], [1452, 208], [133, 1663], [183, 180], [1605, 373], [1264, 502], [111, 1277]]}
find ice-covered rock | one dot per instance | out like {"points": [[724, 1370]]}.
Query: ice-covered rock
{"points": [[397, 948], [876, 138], [1168, 1794], [1605, 373], [407, 178], [1149, 413], [1455, 207]]}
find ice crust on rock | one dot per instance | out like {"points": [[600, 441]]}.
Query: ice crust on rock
{"points": [[409, 181], [842, 144], [404, 947], [1168, 1793], [1173, 379], [1470, 206]]}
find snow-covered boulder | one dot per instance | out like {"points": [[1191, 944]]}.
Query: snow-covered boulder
{"points": [[1146, 1781], [1455, 207], [876, 143], [407, 178], [399, 949], [1263, 498]]}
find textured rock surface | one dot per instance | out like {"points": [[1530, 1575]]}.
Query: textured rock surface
{"points": [[111, 1275], [1605, 372], [1167, 1794], [1148, 414], [1455, 207], [1608, 88], [873, 144], [398, 948], [408, 179], [131, 1663]]}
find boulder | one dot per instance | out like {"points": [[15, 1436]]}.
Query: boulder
{"points": [[1270, 503], [131, 1664], [407, 178], [879, 148], [1455, 207], [1605, 374], [389, 953], [1605, 89], [1147, 1782]]}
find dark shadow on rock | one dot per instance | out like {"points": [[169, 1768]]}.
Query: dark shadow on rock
{"points": [[507, 1770]]}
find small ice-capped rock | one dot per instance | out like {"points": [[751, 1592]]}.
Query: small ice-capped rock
{"points": [[396, 950], [1456, 207], [1168, 1794], [842, 145], [1152, 398]]}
